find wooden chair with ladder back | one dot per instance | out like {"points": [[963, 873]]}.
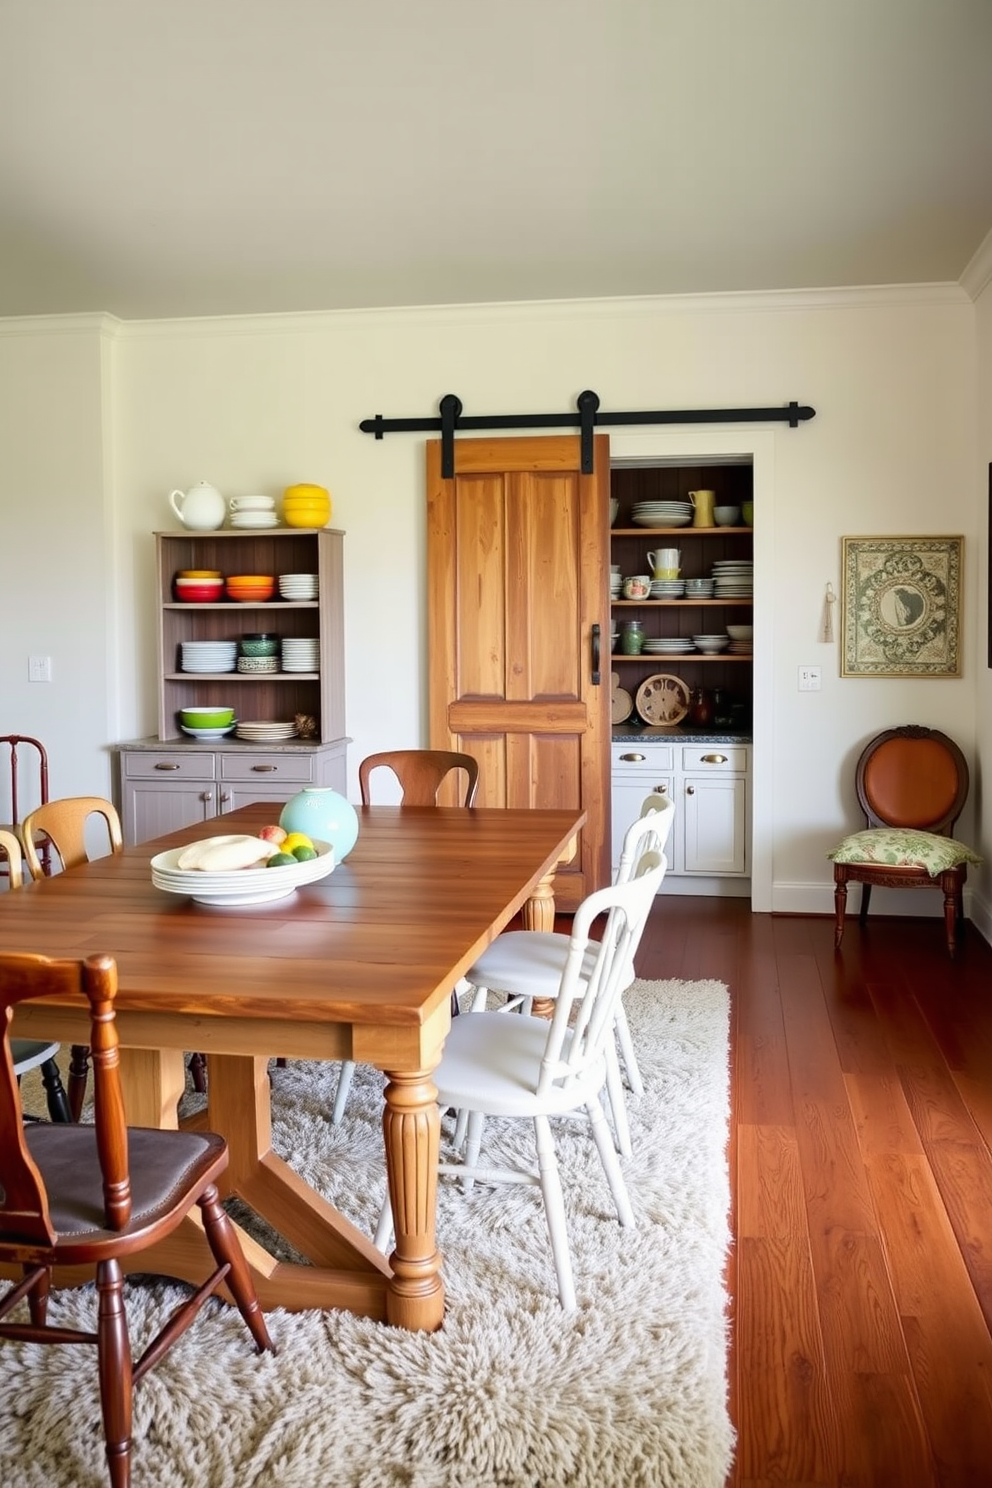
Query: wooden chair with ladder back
{"points": [[24, 754]]}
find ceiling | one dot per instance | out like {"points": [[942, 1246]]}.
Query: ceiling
{"points": [[199, 157]]}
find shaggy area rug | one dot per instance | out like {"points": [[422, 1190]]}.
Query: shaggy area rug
{"points": [[512, 1393]]}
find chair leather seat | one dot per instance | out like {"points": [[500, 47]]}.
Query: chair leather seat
{"points": [[162, 1166]]}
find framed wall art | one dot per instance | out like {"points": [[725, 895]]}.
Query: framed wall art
{"points": [[901, 607]]}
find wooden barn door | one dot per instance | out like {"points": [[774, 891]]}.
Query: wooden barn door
{"points": [[516, 555]]}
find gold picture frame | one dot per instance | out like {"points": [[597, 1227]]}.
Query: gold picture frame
{"points": [[901, 606]]}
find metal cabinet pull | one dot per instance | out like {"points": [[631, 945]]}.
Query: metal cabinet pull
{"points": [[633, 756], [225, 796], [690, 790], [661, 790], [162, 765], [206, 795], [714, 759], [264, 769]]}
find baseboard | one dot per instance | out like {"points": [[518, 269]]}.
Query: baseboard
{"points": [[818, 899]]}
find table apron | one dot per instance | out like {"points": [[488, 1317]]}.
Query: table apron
{"points": [[387, 1047]]}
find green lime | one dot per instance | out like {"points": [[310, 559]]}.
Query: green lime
{"points": [[280, 860], [304, 854]]}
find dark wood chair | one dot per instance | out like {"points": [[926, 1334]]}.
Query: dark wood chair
{"points": [[23, 753], [912, 783], [62, 826], [421, 772], [90, 1195]]}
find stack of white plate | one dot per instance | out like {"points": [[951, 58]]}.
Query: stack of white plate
{"points": [[667, 588], [740, 648], [255, 511], [242, 886], [265, 731], [733, 578], [207, 733], [298, 586], [616, 581], [668, 646], [209, 656], [300, 655], [662, 513], [699, 588]]}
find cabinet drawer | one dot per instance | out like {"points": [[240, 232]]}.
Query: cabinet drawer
{"points": [[148, 765], [643, 758], [295, 769], [714, 757]]}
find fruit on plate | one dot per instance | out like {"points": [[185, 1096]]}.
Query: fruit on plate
{"points": [[293, 840], [304, 854], [273, 833], [282, 860], [226, 854]]}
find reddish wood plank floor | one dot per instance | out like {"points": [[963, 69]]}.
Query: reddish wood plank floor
{"points": [[861, 1274]]}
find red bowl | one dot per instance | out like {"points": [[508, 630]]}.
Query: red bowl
{"points": [[199, 593]]}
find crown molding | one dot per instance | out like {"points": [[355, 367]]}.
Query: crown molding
{"points": [[978, 271], [504, 311], [86, 324]]}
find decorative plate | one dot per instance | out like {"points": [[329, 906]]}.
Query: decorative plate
{"points": [[621, 701], [663, 699]]}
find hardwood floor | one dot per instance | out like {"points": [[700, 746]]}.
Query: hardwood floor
{"points": [[861, 1273]]}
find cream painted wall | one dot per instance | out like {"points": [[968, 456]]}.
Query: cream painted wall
{"points": [[57, 586], [981, 907], [255, 403]]}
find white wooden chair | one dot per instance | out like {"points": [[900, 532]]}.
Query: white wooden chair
{"points": [[527, 964], [493, 1065]]}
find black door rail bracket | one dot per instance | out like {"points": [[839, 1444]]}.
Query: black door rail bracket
{"points": [[586, 417]]}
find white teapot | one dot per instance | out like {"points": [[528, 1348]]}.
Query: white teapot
{"points": [[202, 508]]}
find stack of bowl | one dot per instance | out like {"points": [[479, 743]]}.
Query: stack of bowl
{"points": [[306, 505], [199, 586], [206, 723], [259, 652], [298, 586], [251, 588]]}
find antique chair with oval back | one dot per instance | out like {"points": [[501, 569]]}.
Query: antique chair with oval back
{"points": [[912, 783]]}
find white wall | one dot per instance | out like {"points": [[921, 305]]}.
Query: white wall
{"points": [[982, 893], [252, 404]]}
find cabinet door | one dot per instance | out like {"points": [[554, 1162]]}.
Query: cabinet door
{"points": [[154, 807], [628, 798], [714, 814], [516, 553]]}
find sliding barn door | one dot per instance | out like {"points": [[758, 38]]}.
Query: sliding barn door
{"points": [[519, 676]]}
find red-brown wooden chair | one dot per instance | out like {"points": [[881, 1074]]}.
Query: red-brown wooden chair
{"points": [[93, 1195], [421, 773], [27, 782]]}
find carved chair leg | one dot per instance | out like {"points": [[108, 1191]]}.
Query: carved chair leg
{"points": [[114, 1349], [225, 1249], [953, 910], [840, 909], [79, 1068], [865, 901], [198, 1070], [55, 1096]]}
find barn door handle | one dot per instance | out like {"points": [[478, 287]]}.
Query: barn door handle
{"points": [[595, 655]]}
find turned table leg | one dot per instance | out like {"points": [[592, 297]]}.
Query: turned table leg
{"points": [[411, 1127]]}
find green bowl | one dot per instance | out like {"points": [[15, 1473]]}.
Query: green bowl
{"points": [[206, 717]]}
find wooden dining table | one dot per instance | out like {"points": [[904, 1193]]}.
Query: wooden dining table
{"points": [[360, 965]]}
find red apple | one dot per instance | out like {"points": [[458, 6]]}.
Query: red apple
{"points": [[273, 833]]}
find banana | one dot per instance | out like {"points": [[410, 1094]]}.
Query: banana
{"points": [[225, 854]]}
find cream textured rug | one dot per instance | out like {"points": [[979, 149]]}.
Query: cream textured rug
{"points": [[627, 1392]]}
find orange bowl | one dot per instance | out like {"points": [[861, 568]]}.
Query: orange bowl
{"points": [[251, 586]]}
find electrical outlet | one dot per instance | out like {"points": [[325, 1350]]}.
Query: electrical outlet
{"points": [[39, 669], [809, 679]]}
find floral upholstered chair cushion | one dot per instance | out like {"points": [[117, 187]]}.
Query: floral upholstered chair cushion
{"points": [[904, 847]]}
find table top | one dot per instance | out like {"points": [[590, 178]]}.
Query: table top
{"points": [[380, 941]]}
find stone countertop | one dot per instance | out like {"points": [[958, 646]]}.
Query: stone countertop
{"points": [[626, 733], [188, 744]]}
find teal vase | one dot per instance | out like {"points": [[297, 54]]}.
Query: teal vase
{"points": [[321, 812]]}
